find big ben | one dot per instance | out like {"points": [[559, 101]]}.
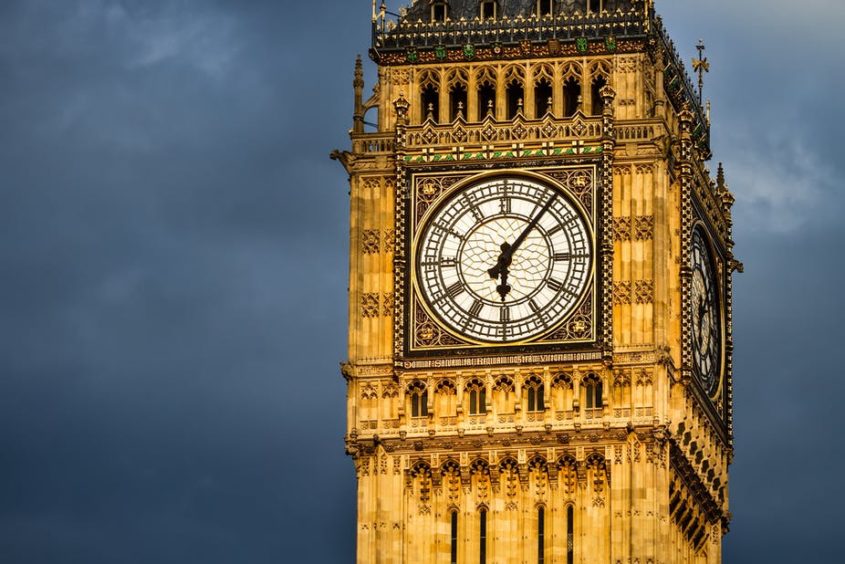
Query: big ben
{"points": [[540, 288]]}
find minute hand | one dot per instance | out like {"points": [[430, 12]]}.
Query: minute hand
{"points": [[531, 226]]}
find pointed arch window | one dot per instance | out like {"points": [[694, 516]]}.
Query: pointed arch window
{"points": [[515, 95], [439, 11], [430, 100], [477, 397], [486, 100], [536, 394], [594, 6], [543, 97], [598, 103], [570, 535], [571, 96], [457, 101], [419, 399], [488, 10]]}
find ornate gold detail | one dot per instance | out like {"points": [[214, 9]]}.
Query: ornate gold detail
{"points": [[387, 304], [621, 228], [644, 227], [389, 239], [370, 241], [369, 305], [371, 182], [644, 291], [622, 293]]}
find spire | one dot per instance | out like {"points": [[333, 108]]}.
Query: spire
{"points": [[358, 85], [720, 178]]}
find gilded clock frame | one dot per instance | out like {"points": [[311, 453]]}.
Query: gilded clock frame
{"points": [[418, 314]]}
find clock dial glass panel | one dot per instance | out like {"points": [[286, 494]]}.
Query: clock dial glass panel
{"points": [[706, 319], [546, 273]]}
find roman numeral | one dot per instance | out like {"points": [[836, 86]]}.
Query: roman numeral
{"points": [[505, 314], [476, 308], [448, 230], [568, 256], [476, 213], [455, 290], [555, 285]]}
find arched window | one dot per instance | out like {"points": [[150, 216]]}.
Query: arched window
{"points": [[430, 100], [515, 95], [598, 103], [570, 535], [593, 390], [419, 399], [594, 6], [503, 395], [487, 10], [477, 397], [545, 8], [543, 97], [536, 397], [439, 11], [458, 101], [562, 393], [541, 535], [445, 398], [571, 96], [482, 536], [453, 539], [486, 100]]}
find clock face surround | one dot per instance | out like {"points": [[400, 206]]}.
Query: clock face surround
{"points": [[504, 260], [706, 327]]}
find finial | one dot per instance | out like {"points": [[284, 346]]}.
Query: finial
{"points": [[375, 16], [720, 177], [460, 109], [489, 107], [549, 104], [701, 65], [430, 109], [519, 106], [580, 102]]}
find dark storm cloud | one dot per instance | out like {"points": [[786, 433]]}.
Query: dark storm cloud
{"points": [[173, 245]]}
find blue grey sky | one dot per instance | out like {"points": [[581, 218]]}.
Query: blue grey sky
{"points": [[173, 243]]}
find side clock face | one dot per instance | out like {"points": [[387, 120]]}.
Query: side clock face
{"points": [[504, 260], [706, 317]]}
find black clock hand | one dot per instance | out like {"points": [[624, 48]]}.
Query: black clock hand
{"points": [[506, 256]]}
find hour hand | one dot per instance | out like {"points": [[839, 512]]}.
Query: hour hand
{"points": [[501, 270]]}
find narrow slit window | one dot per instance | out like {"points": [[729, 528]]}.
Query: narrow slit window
{"points": [[541, 536], [594, 6], [454, 538], [570, 535], [488, 10], [482, 539], [419, 400], [544, 8], [439, 11]]}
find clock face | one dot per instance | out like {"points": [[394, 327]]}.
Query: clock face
{"points": [[504, 260], [706, 318]]}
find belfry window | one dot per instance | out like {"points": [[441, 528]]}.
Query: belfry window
{"points": [[516, 94], [419, 400], [571, 97], [439, 11], [594, 6], [541, 535], [545, 8], [536, 399], [487, 10], [598, 104], [542, 98], [486, 100], [570, 535], [430, 100], [458, 101], [477, 398], [593, 389], [453, 538]]}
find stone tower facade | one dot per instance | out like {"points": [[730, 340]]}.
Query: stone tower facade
{"points": [[540, 347]]}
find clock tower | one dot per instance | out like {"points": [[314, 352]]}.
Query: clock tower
{"points": [[540, 344]]}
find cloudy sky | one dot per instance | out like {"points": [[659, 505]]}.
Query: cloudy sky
{"points": [[172, 275]]}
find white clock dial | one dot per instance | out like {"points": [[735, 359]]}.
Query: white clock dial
{"points": [[504, 260]]}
